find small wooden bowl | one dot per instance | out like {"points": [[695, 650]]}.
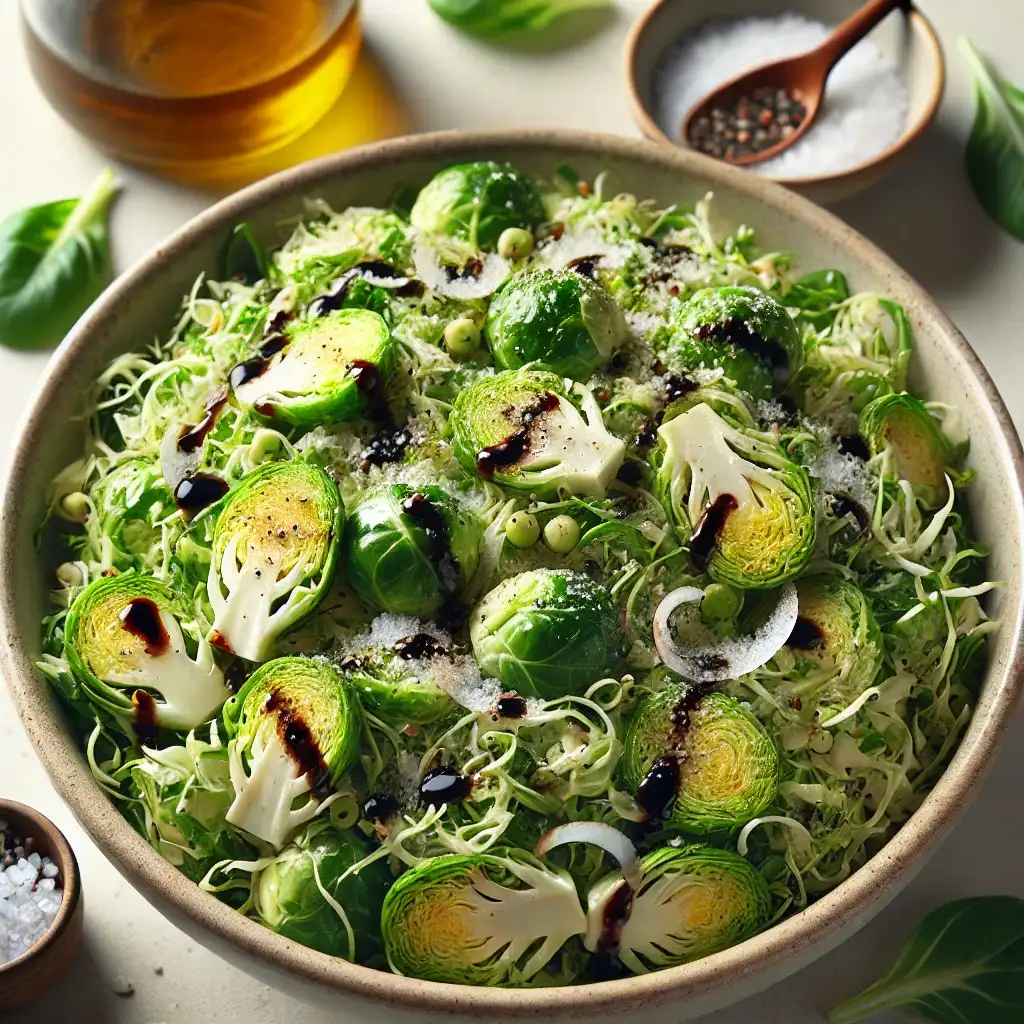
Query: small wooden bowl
{"points": [[909, 42], [34, 970]]}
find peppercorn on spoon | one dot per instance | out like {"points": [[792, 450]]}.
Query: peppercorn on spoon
{"points": [[761, 112]]}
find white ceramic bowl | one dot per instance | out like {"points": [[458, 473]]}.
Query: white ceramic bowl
{"points": [[144, 300]]}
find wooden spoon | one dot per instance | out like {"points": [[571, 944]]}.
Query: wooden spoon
{"points": [[803, 77]]}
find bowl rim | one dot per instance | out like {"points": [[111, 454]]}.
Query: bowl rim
{"points": [[910, 134], [71, 893], [773, 952]]}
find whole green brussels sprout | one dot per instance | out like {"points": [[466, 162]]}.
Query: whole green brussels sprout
{"points": [[290, 894], [557, 319], [743, 332], [407, 550], [547, 633], [477, 202]]}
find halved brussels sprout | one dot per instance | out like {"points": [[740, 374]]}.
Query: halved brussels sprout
{"points": [[743, 332], [479, 920], [408, 550], [297, 727], [124, 642], [558, 319], [547, 633], [477, 202], [691, 902], [702, 763], [837, 634], [333, 368], [398, 684], [294, 894], [901, 427], [522, 429], [275, 549], [743, 509]]}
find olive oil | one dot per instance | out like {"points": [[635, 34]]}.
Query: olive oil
{"points": [[170, 84]]}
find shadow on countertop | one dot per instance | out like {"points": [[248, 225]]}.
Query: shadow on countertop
{"points": [[926, 217]]}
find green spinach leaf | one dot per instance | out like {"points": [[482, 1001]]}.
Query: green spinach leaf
{"points": [[496, 19], [54, 261], [245, 257], [995, 150], [964, 964], [815, 296]]}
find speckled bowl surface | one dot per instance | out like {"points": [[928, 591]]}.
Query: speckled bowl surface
{"points": [[143, 301], [908, 42]]}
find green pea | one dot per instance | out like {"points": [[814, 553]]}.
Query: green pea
{"points": [[515, 244], [522, 529], [562, 534], [74, 507], [720, 602], [462, 337], [69, 575]]}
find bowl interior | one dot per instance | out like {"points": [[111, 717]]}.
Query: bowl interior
{"points": [[908, 43], [143, 302]]}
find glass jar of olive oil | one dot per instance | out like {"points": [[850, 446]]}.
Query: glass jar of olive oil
{"points": [[168, 83]]}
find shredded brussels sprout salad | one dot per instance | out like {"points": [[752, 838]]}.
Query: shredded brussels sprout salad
{"points": [[521, 585]]}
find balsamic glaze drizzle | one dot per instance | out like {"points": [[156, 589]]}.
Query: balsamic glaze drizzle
{"points": [[444, 785], [141, 618], [298, 740], [514, 447], [704, 539]]}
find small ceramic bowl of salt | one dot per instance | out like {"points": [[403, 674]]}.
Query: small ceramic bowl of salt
{"points": [[40, 903], [879, 100]]}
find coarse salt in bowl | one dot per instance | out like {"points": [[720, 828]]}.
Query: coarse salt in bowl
{"points": [[879, 98], [40, 903], [864, 109]]}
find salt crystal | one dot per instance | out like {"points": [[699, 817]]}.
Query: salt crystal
{"points": [[864, 110], [28, 903], [29, 913]]}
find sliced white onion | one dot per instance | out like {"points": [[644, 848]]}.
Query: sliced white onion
{"points": [[429, 270], [729, 658], [574, 245], [596, 833], [176, 464], [389, 283]]}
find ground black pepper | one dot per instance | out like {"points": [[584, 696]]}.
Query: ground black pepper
{"points": [[751, 124]]}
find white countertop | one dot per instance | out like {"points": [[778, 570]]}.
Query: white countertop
{"points": [[924, 216]]}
